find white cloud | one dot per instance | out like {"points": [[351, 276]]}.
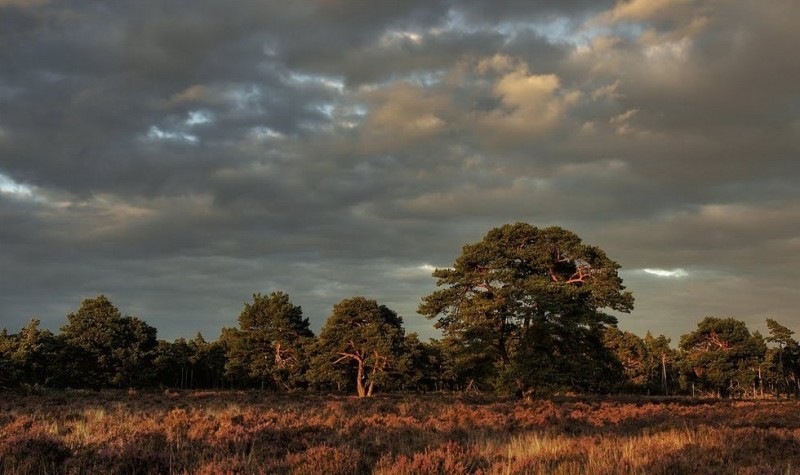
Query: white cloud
{"points": [[394, 37], [198, 117], [264, 133], [411, 272], [156, 133], [671, 273], [10, 187], [329, 82]]}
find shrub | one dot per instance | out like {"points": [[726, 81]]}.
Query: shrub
{"points": [[33, 453], [324, 459], [449, 459]]}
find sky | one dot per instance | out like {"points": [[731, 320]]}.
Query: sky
{"points": [[178, 156]]}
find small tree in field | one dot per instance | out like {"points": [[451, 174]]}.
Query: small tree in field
{"points": [[360, 340]]}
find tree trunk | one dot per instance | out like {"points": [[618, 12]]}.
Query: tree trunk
{"points": [[501, 343], [664, 373], [360, 380], [370, 388]]}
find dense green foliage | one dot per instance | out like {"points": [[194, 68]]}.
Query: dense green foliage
{"points": [[722, 355], [109, 349], [526, 303], [521, 312], [361, 346], [272, 343]]}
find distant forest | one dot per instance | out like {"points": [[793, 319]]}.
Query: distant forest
{"points": [[521, 313]]}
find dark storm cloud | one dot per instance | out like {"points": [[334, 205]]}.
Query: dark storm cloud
{"points": [[478, 11], [179, 156]]}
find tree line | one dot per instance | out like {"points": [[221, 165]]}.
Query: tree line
{"points": [[522, 312]]}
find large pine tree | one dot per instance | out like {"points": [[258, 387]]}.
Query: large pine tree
{"points": [[529, 300]]}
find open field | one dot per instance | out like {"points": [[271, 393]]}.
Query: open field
{"points": [[254, 432]]}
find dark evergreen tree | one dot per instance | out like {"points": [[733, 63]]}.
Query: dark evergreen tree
{"points": [[527, 302], [783, 362], [194, 363], [721, 357], [40, 356], [361, 344], [424, 366], [660, 365], [631, 352], [272, 342], [109, 349], [9, 373]]}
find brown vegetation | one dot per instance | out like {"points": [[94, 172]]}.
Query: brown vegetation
{"points": [[260, 432]]}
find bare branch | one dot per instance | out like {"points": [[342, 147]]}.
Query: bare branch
{"points": [[715, 340], [560, 258], [344, 356], [583, 273]]}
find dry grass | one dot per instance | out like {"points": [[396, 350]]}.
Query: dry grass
{"points": [[253, 432]]}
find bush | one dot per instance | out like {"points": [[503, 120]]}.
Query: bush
{"points": [[33, 453]]}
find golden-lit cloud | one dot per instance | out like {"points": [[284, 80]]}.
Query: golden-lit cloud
{"points": [[622, 122], [644, 10], [403, 113], [530, 104]]}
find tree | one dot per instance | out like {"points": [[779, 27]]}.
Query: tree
{"points": [[465, 363], [177, 362], [780, 334], [528, 300], [39, 356], [660, 363], [631, 352], [235, 369], [169, 372], [360, 342], [783, 361], [425, 367], [271, 343], [9, 373], [112, 350], [198, 347], [175, 357], [213, 359], [721, 356]]}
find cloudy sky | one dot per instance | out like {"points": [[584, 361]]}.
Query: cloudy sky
{"points": [[178, 156]]}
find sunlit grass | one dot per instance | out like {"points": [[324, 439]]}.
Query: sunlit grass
{"points": [[254, 432]]}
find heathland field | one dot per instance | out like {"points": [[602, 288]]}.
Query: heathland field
{"points": [[261, 432]]}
